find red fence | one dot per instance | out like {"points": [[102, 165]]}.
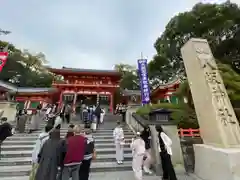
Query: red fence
{"points": [[189, 132]]}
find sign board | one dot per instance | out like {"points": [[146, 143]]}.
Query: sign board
{"points": [[3, 59], [143, 76]]}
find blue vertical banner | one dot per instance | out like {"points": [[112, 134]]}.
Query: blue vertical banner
{"points": [[143, 76]]}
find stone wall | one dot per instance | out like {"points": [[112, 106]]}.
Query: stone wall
{"points": [[137, 123]]}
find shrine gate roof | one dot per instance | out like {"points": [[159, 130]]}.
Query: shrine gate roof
{"points": [[66, 70], [12, 88], [33, 90], [170, 84]]}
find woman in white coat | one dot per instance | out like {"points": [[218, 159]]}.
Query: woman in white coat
{"points": [[102, 116], [138, 149], [118, 136], [165, 153]]}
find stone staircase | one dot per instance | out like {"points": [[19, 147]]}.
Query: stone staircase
{"points": [[16, 153]]}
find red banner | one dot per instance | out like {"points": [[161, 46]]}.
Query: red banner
{"points": [[3, 59]]}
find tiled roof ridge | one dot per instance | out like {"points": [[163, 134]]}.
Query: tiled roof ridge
{"points": [[14, 88]]}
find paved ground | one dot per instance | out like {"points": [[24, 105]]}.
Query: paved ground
{"points": [[125, 175], [128, 175]]}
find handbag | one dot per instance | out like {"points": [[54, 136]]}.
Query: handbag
{"points": [[94, 156], [33, 172]]}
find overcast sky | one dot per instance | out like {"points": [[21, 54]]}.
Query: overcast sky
{"points": [[89, 34]]}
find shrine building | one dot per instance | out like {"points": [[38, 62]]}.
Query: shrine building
{"points": [[165, 92], [77, 86], [86, 86], [27, 98]]}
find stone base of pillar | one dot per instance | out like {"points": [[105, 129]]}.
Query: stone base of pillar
{"points": [[212, 163], [9, 110]]}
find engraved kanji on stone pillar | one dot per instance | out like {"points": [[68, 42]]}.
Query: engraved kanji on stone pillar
{"points": [[217, 120]]}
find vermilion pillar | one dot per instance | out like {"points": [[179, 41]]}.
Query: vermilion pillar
{"points": [[111, 103], [60, 100], [74, 102]]}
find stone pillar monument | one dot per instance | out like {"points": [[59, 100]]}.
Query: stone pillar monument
{"points": [[218, 158]]}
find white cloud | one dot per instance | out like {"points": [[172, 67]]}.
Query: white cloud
{"points": [[89, 34]]}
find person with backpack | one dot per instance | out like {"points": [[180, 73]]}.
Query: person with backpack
{"points": [[74, 155], [90, 154]]}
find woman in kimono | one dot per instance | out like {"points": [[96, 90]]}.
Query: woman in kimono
{"points": [[50, 157], [165, 151], [118, 136], [35, 121], [102, 116], [42, 138], [138, 149], [146, 136]]}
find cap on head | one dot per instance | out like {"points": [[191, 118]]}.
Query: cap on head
{"points": [[138, 133], [118, 122]]}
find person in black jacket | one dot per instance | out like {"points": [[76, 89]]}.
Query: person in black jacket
{"points": [[165, 154], [146, 136], [5, 131], [97, 113], [88, 156]]}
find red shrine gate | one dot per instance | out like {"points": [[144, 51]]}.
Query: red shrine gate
{"points": [[87, 86]]}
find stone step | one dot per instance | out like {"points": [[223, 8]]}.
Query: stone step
{"points": [[24, 170], [11, 161], [32, 142], [30, 138], [36, 134], [10, 147], [120, 175], [125, 130], [28, 153]]}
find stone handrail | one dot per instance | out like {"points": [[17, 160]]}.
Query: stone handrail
{"points": [[135, 122]]}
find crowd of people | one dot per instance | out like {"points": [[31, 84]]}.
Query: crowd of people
{"points": [[54, 158], [141, 152], [121, 109]]}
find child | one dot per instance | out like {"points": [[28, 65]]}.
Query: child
{"points": [[70, 132]]}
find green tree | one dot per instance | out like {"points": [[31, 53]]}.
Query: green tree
{"points": [[35, 62], [129, 78], [24, 69], [218, 23], [187, 116]]}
